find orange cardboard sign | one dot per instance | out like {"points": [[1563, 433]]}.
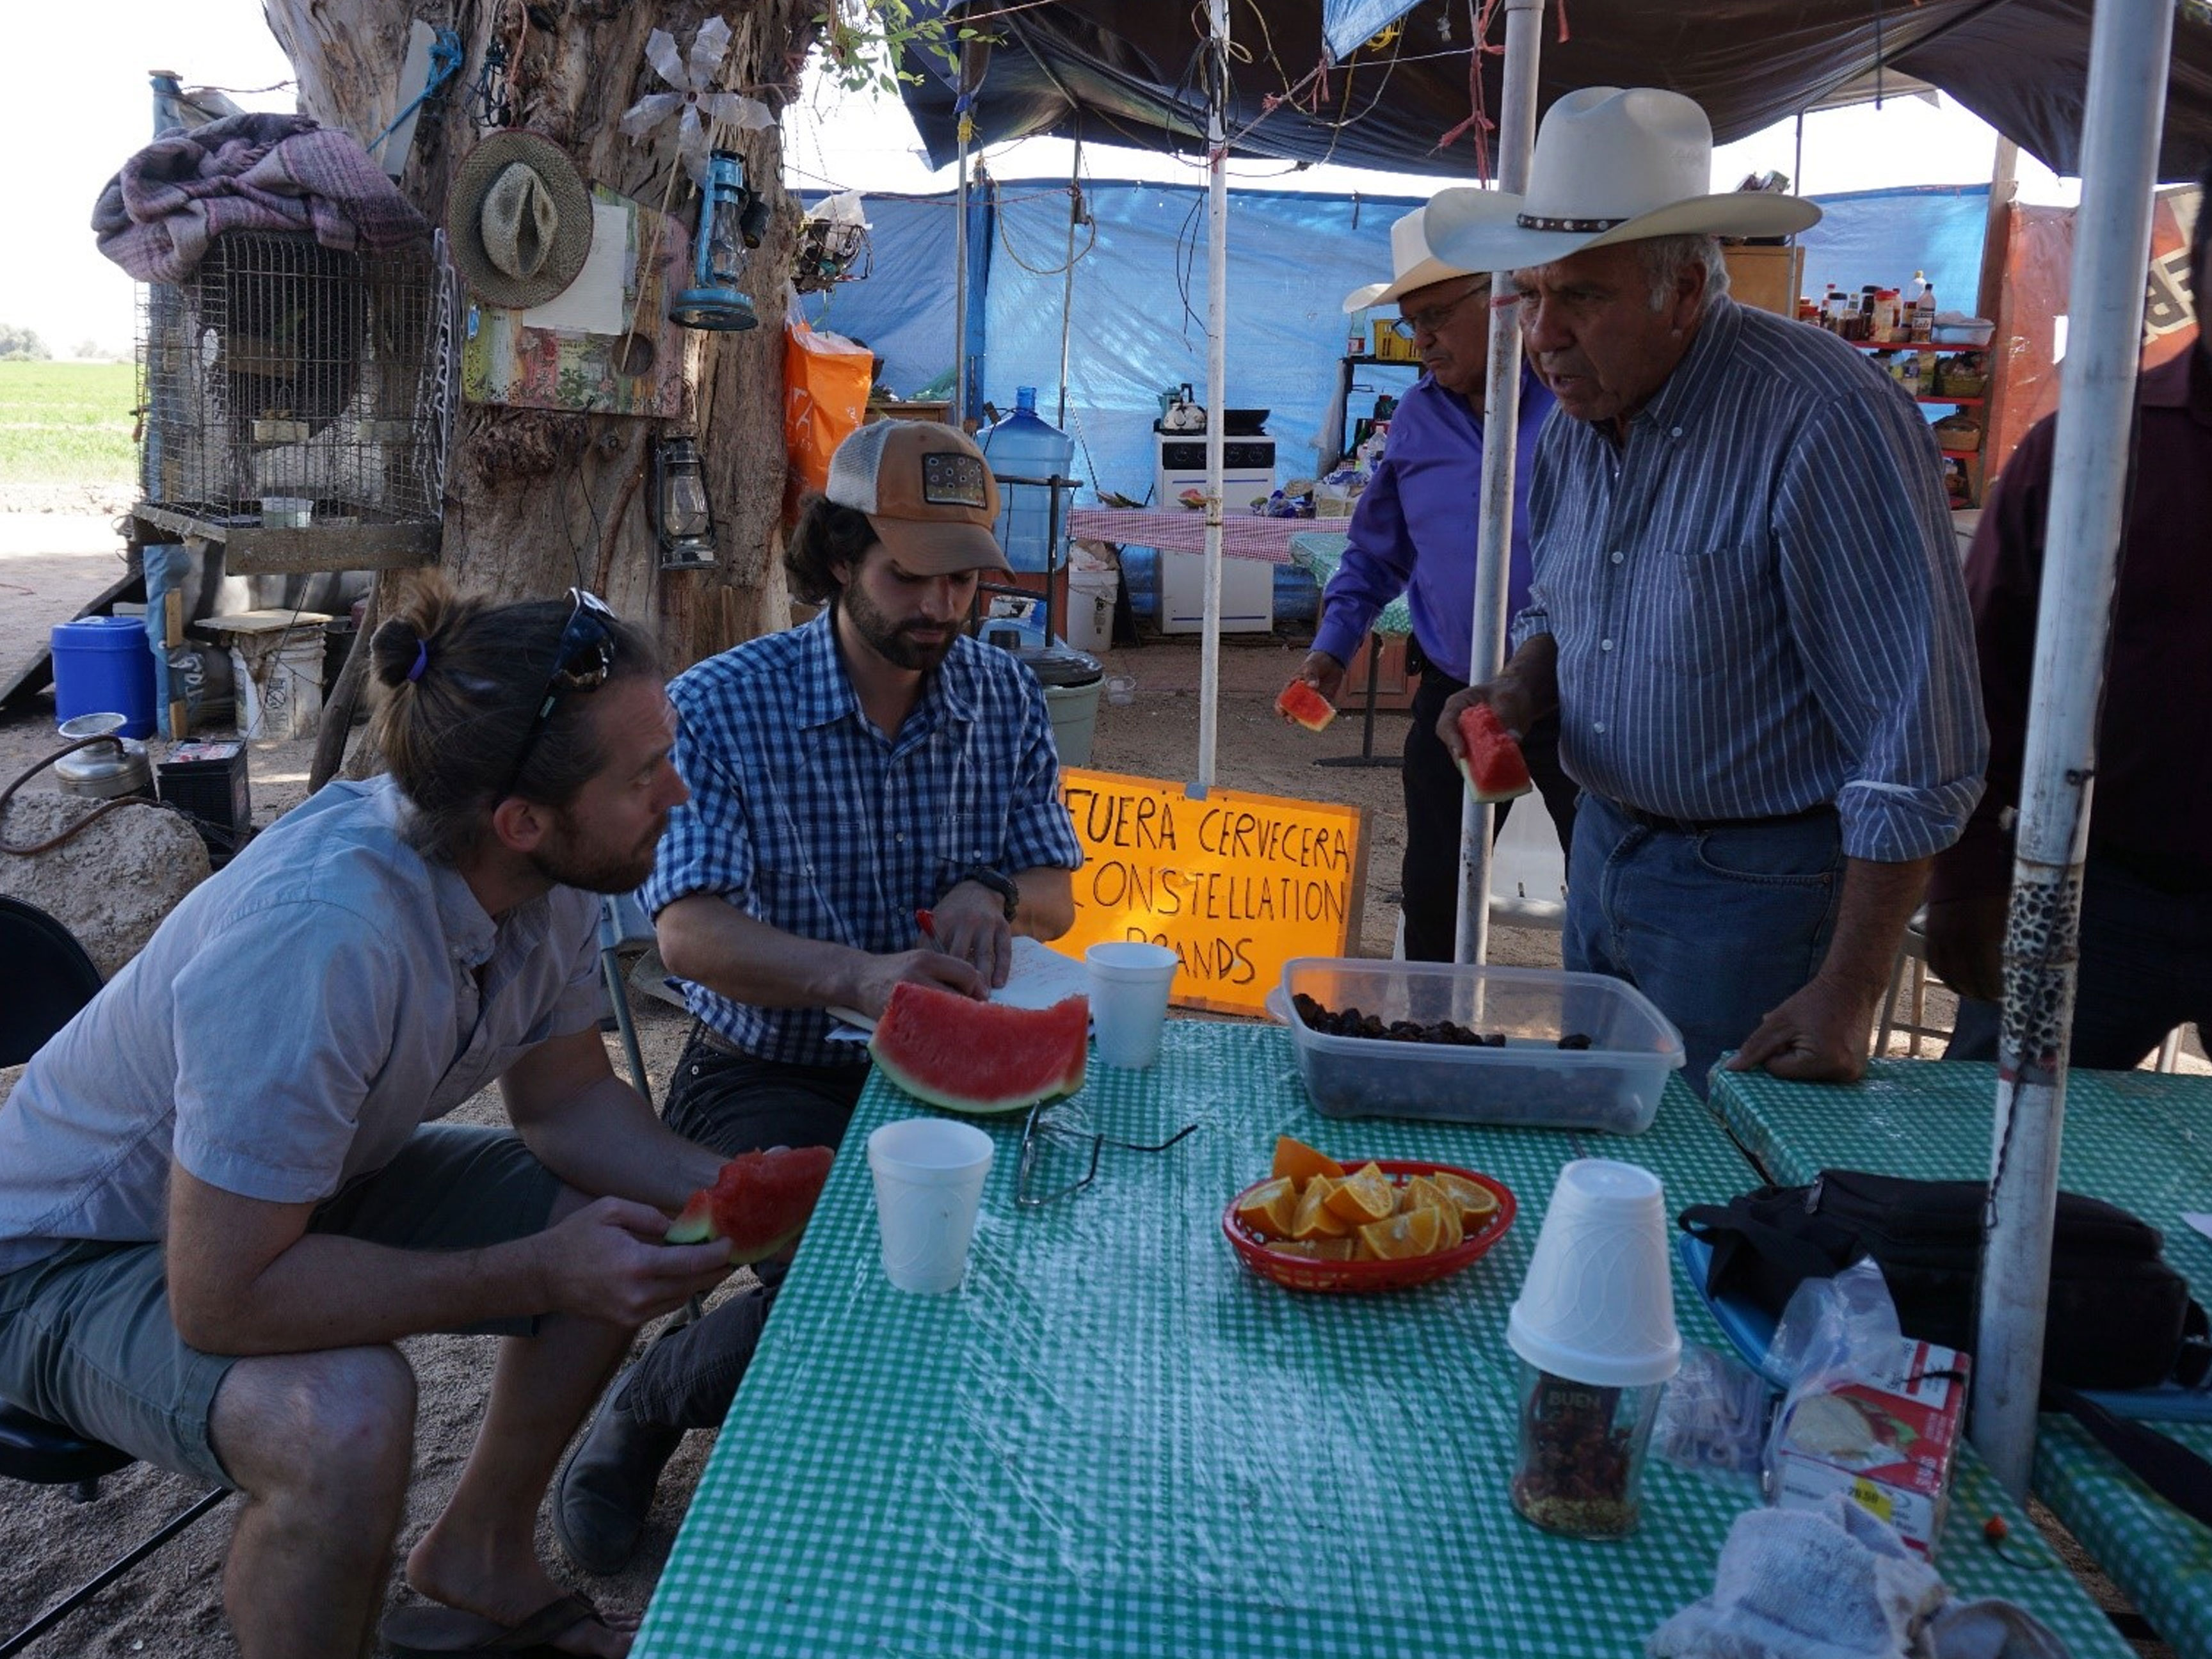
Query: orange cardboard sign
{"points": [[1236, 884]]}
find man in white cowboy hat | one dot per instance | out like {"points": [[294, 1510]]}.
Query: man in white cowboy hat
{"points": [[1746, 609], [1412, 533]]}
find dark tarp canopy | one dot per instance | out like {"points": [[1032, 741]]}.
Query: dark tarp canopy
{"points": [[1125, 72]]}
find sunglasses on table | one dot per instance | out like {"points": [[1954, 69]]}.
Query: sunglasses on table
{"points": [[585, 659], [1036, 1135]]}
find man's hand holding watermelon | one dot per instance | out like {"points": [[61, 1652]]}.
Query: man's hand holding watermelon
{"points": [[1521, 693]]}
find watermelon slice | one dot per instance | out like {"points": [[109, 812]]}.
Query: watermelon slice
{"points": [[1493, 765], [1302, 703], [980, 1057], [759, 1202]]}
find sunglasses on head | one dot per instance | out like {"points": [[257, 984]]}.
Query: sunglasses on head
{"points": [[586, 658]]}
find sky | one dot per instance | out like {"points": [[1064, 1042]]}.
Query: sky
{"points": [[83, 122]]}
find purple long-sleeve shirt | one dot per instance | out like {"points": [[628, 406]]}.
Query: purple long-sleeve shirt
{"points": [[1413, 529]]}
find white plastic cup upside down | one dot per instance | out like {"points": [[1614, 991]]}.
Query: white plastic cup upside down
{"points": [[1597, 1306], [929, 1177], [1130, 983]]}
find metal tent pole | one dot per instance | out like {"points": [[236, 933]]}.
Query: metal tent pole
{"points": [[2129, 56], [1501, 421], [960, 285], [1067, 274], [1217, 374]]}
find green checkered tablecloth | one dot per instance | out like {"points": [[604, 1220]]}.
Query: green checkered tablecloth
{"points": [[1318, 553], [1114, 1440], [2138, 1139]]}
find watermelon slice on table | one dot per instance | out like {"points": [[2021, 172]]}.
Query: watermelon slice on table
{"points": [[1493, 765], [981, 1058], [759, 1202], [1302, 703]]}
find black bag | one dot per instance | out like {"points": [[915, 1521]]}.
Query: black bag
{"points": [[2119, 1316]]}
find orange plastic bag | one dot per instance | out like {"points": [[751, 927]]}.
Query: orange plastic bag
{"points": [[826, 379]]}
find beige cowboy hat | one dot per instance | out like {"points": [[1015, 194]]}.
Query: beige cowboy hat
{"points": [[518, 219], [1412, 265], [1611, 165]]}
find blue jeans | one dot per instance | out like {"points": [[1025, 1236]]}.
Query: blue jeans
{"points": [[1717, 927], [2145, 967]]}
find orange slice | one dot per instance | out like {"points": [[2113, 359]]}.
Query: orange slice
{"points": [[1363, 1197], [1423, 1193], [1301, 1163], [1402, 1237], [1269, 1208], [1450, 1233], [1313, 1219], [1298, 1247], [1335, 1249], [1476, 1203]]}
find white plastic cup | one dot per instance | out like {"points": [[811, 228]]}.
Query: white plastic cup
{"points": [[1597, 1306], [1130, 983], [929, 1184]]}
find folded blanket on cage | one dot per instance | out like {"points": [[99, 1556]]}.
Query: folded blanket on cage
{"points": [[256, 172]]}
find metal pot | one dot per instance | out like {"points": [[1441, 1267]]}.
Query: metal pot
{"points": [[103, 770]]}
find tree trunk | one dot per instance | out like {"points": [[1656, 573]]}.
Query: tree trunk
{"points": [[535, 498]]}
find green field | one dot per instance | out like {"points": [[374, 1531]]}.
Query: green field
{"points": [[67, 422]]}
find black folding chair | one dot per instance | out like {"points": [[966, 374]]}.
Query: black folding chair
{"points": [[44, 978]]}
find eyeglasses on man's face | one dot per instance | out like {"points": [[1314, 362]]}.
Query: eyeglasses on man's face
{"points": [[585, 659], [1034, 1187], [1432, 319]]}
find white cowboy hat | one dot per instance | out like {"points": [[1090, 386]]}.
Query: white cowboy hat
{"points": [[1412, 262], [1610, 165]]}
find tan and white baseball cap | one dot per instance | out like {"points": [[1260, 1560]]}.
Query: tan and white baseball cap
{"points": [[928, 494]]}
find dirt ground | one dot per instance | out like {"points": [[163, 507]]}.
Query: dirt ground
{"points": [[169, 1606]]}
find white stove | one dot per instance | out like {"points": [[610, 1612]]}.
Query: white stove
{"points": [[1248, 586]]}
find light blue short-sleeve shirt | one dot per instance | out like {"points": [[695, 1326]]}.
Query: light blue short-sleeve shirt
{"points": [[288, 1026]]}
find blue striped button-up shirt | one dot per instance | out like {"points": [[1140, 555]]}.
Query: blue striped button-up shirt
{"points": [[1757, 599], [803, 814]]}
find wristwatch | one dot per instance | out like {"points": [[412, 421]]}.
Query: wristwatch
{"points": [[998, 882]]}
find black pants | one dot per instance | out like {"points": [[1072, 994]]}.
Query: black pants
{"points": [[2145, 966], [733, 1103], [1434, 790]]}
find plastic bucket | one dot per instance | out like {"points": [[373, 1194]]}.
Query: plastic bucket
{"points": [[103, 664], [1074, 711]]}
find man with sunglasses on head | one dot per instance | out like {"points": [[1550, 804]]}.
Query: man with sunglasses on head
{"points": [[875, 764], [224, 1193], [1413, 532]]}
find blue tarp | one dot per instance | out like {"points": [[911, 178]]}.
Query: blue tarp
{"points": [[1141, 298]]}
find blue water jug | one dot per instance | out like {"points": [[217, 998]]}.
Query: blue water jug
{"points": [[104, 665], [1024, 446]]}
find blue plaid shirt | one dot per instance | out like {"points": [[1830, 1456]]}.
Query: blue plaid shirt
{"points": [[805, 816]]}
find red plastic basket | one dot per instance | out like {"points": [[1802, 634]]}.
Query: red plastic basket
{"points": [[1299, 1273]]}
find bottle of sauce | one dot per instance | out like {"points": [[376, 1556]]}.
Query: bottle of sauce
{"points": [[1924, 316]]}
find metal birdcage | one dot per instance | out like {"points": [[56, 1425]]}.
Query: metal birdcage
{"points": [[298, 403]]}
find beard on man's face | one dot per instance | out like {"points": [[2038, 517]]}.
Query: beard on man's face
{"points": [[565, 859], [911, 645]]}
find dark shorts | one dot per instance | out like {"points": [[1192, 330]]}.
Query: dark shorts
{"points": [[85, 1334]]}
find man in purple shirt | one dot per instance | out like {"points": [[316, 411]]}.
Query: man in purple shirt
{"points": [[1414, 532], [2146, 944]]}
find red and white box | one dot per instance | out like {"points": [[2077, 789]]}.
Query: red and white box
{"points": [[1886, 1439]]}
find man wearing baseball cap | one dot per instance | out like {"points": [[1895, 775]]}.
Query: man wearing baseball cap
{"points": [[872, 764]]}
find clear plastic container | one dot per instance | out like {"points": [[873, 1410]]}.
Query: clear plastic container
{"points": [[1613, 1084], [1581, 1467]]}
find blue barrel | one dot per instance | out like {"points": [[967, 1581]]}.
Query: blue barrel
{"points": [[1025, 446], [103, 665]]}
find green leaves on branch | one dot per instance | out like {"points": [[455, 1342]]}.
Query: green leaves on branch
{"points": [[864, 41]]}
